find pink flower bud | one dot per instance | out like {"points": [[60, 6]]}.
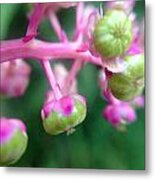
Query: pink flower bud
{"points": [[118, 113], [14, 78], [102, 80]]}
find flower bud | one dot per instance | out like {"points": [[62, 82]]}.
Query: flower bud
{"points": [[113, 34], [63, 114], [118, 114], [13, 140], [129, 83], [14, 78]]}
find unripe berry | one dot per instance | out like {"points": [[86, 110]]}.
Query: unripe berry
{"points": [[64, 114], [130, 83], [13, 140], [113, 34]]}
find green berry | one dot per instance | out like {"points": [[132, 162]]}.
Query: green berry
{"points": [[12, 150], [130, 83], [113, 34], [57, 122]]}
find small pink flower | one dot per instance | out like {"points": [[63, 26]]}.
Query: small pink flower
{"points": [[14, 78], [118, 113]]}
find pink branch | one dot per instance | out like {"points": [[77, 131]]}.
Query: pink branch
{"points": [[37, 49], [57, 27], [73, 73], [79, 17], [51, 79], [34, 22], [79, 14], [111, 99]]}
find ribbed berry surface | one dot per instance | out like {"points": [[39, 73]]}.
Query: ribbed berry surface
{"points": [[130, 83], [113, 34]]}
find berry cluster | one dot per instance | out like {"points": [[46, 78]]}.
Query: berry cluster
{"points": [[112, 39]]}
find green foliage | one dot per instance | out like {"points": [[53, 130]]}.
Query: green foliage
{"points": [[7, 13]]}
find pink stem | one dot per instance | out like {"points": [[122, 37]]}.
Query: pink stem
{"points": [[79, 14], [79, 17], [108, 95], [51, 79], [73, 72], [57, 27], [34, 22], [37, 49]]}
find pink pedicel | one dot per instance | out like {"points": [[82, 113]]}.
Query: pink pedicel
{"points": [[61, 74], [127, 6], [14, 78], [66, 4], [55, 6], [8, 127]]}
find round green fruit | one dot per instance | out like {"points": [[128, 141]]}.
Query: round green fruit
{"points": [[57, 122], [130, 83], [12, 150], [113, 34]]}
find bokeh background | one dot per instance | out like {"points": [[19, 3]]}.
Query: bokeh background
{"points": [[95, 144]]}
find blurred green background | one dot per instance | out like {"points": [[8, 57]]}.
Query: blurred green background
{"points": [[95, 144]]}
